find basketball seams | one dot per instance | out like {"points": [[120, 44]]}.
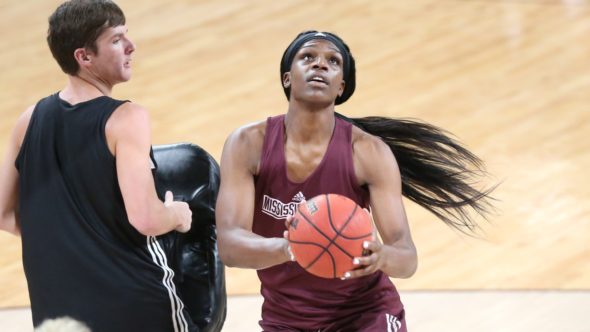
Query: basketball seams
{"points": [[317, 258], [353, 237], [350, 216], [311, 223], [325, 250], [306, 242], [333, 240], [356, 237], [325, 247], [330, 216], [338, 231]]}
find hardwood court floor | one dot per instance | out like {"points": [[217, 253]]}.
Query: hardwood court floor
{"points": [[427, 311], [511, 79]]}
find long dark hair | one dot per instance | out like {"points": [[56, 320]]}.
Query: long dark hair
{"points": [[437, 172]]}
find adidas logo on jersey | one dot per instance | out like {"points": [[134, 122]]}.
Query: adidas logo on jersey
{"points": [[298, 197]]}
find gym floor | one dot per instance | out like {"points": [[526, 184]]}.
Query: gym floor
{"points": [[510, 78], [427, 311]]}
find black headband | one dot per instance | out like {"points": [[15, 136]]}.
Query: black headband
{"points": [[348, 65]]}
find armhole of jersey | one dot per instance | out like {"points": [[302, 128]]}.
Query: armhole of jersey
{"points": [[19, 157], [352, 171], [103, 128], [361, 189], [265, 147], [153, 162]]}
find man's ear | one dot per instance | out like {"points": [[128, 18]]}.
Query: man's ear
{"points": [[82, 56], [287, 80]]}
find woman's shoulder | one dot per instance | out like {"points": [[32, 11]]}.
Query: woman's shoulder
{"points": [[250, 133], [373, 159], [243, 147], [363, 141]]}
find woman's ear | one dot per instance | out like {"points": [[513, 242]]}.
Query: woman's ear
{"points": [[342, 86], [287, 80]]}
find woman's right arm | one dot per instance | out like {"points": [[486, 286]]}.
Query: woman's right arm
{"points": [[234, 213]]}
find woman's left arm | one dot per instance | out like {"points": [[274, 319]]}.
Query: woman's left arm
{"points": [[375, 166]]}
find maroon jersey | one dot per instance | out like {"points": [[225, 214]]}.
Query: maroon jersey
{"points": [[294, 298]]}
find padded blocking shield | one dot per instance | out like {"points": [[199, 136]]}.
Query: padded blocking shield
{"points": [[193, 176]]}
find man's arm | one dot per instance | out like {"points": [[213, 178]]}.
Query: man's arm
{"points": [[128, 134], [376, 166], [234, 213], [9, 176]]}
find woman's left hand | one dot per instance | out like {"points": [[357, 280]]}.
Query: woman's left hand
{"points": [[369, 264]]}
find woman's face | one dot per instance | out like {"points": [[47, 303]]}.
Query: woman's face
{"points": [[316, 73]]}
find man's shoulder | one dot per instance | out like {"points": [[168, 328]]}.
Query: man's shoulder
{"points": [[130, 111], [128, 119]]}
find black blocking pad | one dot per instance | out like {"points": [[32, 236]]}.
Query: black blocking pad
{"points": [[193, 176]]}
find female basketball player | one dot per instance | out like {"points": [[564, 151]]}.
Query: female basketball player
{"points": [[270, 166]]}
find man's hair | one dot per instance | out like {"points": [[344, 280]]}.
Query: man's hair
{"points": [[78, 24]]}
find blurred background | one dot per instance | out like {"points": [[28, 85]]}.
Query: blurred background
{"points": [[510, 79]]}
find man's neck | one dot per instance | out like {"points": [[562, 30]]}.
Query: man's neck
{"points": [[80, 89]]}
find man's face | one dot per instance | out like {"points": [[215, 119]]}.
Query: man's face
{"points": [[112, 62]]}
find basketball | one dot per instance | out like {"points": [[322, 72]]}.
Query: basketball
{"points": [[327, 232]]}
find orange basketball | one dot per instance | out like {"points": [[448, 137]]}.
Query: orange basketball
{"points": [[327, 232]]}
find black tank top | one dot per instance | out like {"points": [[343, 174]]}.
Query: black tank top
{"points": [[81, 256], [292, 296]]}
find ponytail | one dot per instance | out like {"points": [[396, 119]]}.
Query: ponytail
{"points": [[437, 172]]}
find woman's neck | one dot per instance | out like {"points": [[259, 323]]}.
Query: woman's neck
{"points": [[303, 124]]}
